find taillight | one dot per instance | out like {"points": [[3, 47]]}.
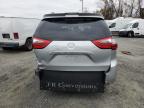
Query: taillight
{"points": [[40, 43], [16, 35], [106, 43]]}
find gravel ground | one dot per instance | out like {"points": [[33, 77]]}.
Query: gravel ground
{"points": [[19, 86]]}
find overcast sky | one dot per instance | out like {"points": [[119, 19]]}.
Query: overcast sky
{"points": [[37, 8]]}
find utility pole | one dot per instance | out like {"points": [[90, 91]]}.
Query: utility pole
{"points": [[82, 5]]}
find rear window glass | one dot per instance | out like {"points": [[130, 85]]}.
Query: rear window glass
{"points": [[72, 29]]}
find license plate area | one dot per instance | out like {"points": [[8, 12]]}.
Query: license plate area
{"points": [[6, 35], [71, 59], [72, 81]]}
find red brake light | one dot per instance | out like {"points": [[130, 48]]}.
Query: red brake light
{"points": [[106, 43], [40, 43], [16, 35]]}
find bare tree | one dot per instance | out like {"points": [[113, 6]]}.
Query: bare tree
{"points": [[119, 8], [137, 13], [107, 11], [111, 9], [141, 9], [131, 8]]}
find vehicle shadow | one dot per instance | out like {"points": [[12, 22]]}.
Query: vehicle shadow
{"points": [[76, 95], [129, 37], [13, 50]]}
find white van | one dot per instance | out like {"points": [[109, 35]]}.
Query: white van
{"points": [[134, 28], [118, 23], [108, 22], [17, 32]]}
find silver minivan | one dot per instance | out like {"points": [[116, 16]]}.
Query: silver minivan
{"points": [[75, 52]]}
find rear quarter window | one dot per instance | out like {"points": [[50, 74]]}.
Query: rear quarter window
{"points": [[72, 29]]}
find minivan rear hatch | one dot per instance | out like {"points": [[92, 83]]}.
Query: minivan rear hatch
{"points": [[72, 47]]}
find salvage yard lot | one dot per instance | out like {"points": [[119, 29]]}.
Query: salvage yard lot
{"points": [[19, 86]]}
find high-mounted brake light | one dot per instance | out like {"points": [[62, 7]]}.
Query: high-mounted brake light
{"points": [[16, 35], [40, 43], [106, 43]]}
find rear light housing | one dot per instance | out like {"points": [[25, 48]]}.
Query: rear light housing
{"points": [[16, 35], [106, 43], [40, 43]]}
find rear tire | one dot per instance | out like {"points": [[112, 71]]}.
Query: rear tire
{"points": [[28, 44]]}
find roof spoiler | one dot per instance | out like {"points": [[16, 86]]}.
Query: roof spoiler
{"points": [[73, 14]]}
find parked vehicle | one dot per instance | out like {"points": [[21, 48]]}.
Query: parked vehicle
{"points": [[134, 28], [75, 52], [118, 23], [108, 22], [17, 32]]}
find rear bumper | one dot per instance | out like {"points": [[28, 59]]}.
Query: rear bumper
{"points": [[111, 74], [9, 44], [83, 81]]}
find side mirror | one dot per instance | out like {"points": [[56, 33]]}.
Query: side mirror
{"points": [[138, 28]]}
